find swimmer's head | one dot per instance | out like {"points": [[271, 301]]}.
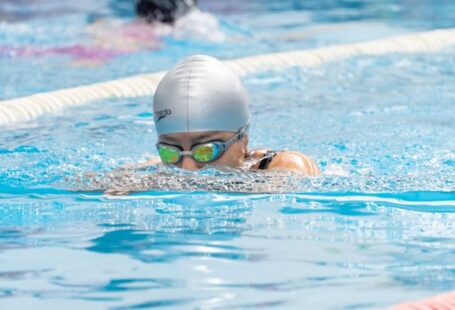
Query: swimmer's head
{"points": [[201, 100], [200, 94], [165, 11]]}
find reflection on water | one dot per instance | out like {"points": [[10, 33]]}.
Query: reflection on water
{"points": [[221, 250]]}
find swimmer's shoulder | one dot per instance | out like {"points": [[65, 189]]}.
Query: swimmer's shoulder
{"points": [[284, 160]]}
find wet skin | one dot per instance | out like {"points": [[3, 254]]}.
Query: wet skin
{"points": [[236, 154]]}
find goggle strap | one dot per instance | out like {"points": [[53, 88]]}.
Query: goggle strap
{"points": [[238, 136]]}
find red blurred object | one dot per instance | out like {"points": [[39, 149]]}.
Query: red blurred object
{"points": [[440, 302]]}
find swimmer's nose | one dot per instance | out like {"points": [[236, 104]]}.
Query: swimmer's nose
{"points": [[189, 164]]}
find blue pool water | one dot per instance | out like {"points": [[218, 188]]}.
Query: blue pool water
{"points": [[377, 229]]}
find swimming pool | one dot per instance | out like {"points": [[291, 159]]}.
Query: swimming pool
{"points": [[377, 229]]}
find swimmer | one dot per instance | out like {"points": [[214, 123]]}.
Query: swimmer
{"points": [[164, 11], [202, 118], [111, 38]]}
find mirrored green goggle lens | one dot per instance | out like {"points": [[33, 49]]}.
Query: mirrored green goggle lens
{"points": [[206, 152], [168, 155]]}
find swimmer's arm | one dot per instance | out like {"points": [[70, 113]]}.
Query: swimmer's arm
{"points": [[120, 191], [118, 172], [150, 162], [294, 161]]}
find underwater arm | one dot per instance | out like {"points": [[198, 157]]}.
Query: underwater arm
{"points": [[107, 181], [148, 163]]}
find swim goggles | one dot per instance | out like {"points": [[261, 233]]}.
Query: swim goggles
{"points": [[202, 153]]}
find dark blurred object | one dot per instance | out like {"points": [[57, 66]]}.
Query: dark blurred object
{"points": [[165, 11]]}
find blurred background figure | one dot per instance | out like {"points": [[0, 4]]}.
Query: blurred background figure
{"points": [[113, 37], [164, 11]]}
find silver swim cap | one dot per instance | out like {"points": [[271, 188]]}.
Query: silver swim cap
{"points": [[200, 94]]}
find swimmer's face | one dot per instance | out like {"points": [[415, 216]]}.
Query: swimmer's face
{"points": [[233, 157]]}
